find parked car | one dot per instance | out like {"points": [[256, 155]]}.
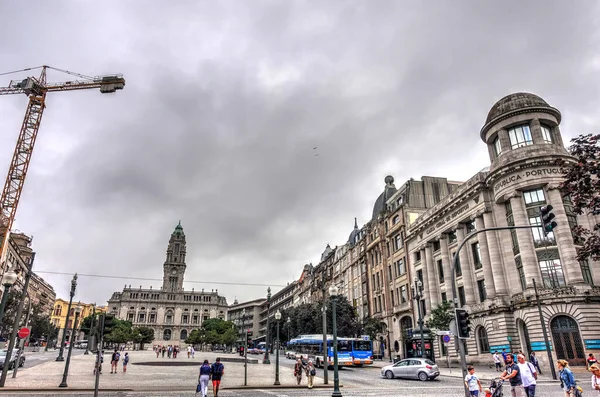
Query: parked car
{"points": [[290, 354], [13, 359], [416, 368]]}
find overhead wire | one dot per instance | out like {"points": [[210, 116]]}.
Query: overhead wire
{"points": [[157, 279]]}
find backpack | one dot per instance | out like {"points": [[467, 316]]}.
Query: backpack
{"points": [[217, 369], [313, 372], [533, 371]]}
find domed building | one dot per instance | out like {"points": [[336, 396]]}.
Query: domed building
{"points": [[498, 272]]}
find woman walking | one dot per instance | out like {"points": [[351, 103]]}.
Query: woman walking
{"points": [[298, 369], [204, 378], [595, 370], [567, 380]]}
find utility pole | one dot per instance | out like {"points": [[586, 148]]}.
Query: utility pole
{"points": [[324, 314], [543, 323], [99, 353]]}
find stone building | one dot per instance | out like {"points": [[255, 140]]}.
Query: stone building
{"points": [[59, 317], [18, 258], [496, 270], [246, 316], [170, 311], [41, 293], [281, 300]]}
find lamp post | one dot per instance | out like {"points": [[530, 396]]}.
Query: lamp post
{"points": [[333, 291], [277, 318], [7, 281], [245, 347], [266, 358], [289, 321], [73, 330], [418, 295], [64, 335]]}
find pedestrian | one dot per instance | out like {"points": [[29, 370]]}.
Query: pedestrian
{"points": [[125, 362], [567, 380], [311, 372], [157, 349], [536, 363], [298, 369], [511, 373], [504, 356], [497, 361], [164, 349], [114, 361], [591, 360], [193, 351], [189, 351], [595, 370], [217, 370], [472, 382], [204, 377], [528, 375]]}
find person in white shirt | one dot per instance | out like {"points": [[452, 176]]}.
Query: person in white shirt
{"points": [[497, 362], [528, 375], [595, 369]]}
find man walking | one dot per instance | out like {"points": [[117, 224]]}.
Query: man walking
{"points": [[528, 375], [216, 372], [512, 374], [534, 360]]}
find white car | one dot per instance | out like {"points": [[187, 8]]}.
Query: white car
{"points": [[416, 368]]}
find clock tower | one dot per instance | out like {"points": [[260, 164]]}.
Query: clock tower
{"points": [[174, 267]]}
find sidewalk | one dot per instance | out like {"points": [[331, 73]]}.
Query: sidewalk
{"points": [[171, 376]]}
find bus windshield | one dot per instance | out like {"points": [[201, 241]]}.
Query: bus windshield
{"points": [[362, 345], [344, 346]]}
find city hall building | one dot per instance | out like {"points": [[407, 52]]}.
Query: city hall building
{"points": [[170, 311], [496, 270]]}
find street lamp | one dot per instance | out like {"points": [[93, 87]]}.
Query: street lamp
{"points": [[266, 358], [418, 295], [64, 335], [245, 347], [277, 317], [73, 330], [333, 291], [289, 320], [7, 281]]}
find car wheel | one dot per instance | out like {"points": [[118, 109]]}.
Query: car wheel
{"points": [[423, 376], [389, 374], [21, 363]]}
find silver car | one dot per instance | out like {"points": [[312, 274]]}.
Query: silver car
{"points": [[416, 368]]}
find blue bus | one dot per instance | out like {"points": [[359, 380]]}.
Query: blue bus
{"points": [[351, 351]]}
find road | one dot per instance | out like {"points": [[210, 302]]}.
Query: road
{"points": [[36, 358]]}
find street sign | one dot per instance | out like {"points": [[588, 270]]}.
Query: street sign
{"points": [[23, 333], [440, 333], [446, 338]]}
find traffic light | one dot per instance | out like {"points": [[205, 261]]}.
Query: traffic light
{"points": [[547, 223], [462, 323], [105, 323], [249, 337]]}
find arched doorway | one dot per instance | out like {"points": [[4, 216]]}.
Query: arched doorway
{"points": [[524, 337], [167, 334], [483, 345], [406, 326], [567, 340], [183, 334]]}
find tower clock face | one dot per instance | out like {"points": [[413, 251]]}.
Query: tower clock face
{"points": [[174, 271]]}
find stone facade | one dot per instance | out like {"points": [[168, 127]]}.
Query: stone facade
{"points": [[246, 316], [170, 311], [41, 293], [496, 269]]}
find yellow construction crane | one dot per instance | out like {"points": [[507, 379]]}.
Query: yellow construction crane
{"points": [[36, 89]]}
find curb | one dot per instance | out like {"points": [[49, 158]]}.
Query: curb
{"points": [[70, 390]]}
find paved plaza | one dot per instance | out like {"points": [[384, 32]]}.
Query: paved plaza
{"points": [[172, 377]]}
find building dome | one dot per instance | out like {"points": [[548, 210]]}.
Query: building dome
{"points": [[388, 192], [355, 233], [513, 102]]}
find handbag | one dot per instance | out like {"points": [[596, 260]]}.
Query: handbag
{"points": [[198, 388]]}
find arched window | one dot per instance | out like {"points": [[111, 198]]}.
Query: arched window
{"points": [[167, 334], [482, 340], [183, 335]]}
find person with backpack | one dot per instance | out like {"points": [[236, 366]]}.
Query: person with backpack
{"points": [[528, 375], [204, 377], [125, 362], [311, 372], [216, 373], [114, 361]]}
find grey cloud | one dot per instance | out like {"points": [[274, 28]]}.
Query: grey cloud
{"points": [[225, 101]]}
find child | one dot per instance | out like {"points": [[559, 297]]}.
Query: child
{"points": [[125, 362], [472, 382], [488, 392]]}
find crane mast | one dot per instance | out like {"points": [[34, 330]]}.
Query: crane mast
{"points": [[36, 90]]}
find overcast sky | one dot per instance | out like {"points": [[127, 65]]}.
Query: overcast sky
{"points": [[225, 101]]}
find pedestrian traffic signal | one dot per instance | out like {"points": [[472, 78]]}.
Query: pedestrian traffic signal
{"points": [[106, 322], [249, 337], [462, 323], [547, 223]]}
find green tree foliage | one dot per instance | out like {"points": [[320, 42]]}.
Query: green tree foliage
{"points": [[121, 332], [440, 317], [143, 335], [10, 311], [582, 185], [89, 327], [41, 326], [373, 327], [214, 331], [196, 337]]}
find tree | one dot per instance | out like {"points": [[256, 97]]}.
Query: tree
{"points": [[10, 311], [582, 185], [440, 317], [347, 325], [373, 327], [41, 326], [121, 332], [86, 325], [143, 335], [196, 337]]}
